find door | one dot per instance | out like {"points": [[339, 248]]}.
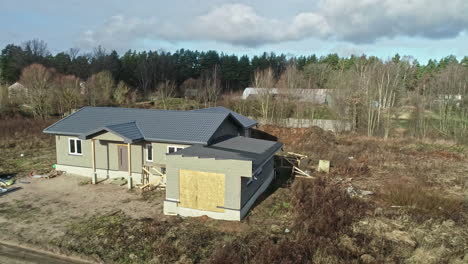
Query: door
{"points": [[202, 190], [123, 157]]}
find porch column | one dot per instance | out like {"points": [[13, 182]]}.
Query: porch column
{"points": [[93, 157], [129, 180]]}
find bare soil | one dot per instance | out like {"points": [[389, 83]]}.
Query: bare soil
{"points": [[43, 208]]}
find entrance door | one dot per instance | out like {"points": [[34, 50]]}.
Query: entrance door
{"points": [[201, 190], [123, 157]]}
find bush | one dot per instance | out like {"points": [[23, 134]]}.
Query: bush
{"points": [[322, 213]]}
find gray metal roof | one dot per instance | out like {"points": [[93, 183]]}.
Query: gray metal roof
{"points": [[129, 131], [245, 121], [236, 148], [191, 127]]}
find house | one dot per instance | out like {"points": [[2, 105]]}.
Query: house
{"points": [[207, 158], [17, 90], [316, 96]]}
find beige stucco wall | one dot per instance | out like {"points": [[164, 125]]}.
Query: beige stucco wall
{"points": [[233, 170], [160, 150], [106, 145], [106, 154]]}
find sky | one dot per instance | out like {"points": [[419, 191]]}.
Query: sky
{"points": [[423, 29]]}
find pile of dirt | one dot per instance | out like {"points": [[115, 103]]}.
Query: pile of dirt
{"points": [[313, 139], [314, 142]]}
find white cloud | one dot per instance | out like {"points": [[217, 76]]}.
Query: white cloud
{"points": [[358, 21]]}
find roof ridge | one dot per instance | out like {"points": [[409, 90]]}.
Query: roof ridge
{"points": [[159, 110]]}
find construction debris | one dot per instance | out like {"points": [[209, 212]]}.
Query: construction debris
{"points": [[324, 166], [52, 174], [7, 181], [294, 160], [355, 192], [8, 190]]}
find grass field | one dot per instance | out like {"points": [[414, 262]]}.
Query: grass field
{"points": [[416, 214]]}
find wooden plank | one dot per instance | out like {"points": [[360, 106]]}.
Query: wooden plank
{"points": [[93, 158], [157, 171], [302, 172], [144, 186]]}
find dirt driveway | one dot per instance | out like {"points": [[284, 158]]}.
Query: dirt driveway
{"points": [[43, 208]]}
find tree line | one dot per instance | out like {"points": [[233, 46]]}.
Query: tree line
{"points": [[145, 70], [376, 96]]}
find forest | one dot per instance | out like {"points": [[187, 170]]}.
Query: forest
{"points": [[379, 97]]}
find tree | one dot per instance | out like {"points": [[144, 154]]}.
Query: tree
{"points": [[99, 88], [121, 93], [67, 93], [12, 63], [165, 91], [38, 81], [264, 79]]}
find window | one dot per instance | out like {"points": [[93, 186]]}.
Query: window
{"points": [[149, 152], [172, 149], [74, 146]]}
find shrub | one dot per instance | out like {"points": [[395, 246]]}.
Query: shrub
{"points": [[322, 212]]}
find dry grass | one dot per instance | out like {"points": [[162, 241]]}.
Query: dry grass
{"points": [[24, 147], [424, 202], [322, 213]]}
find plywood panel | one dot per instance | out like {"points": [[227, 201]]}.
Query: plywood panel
{"points": [[188, 189], [202, 190]]}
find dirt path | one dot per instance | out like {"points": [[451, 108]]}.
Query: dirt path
{"points": [[21, 255]]}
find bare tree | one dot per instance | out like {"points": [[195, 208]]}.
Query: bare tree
{"points": [[36, 48], [73, 53], [38, 80], [450, 87], [317, 75], [99, 88], [165, 91], [265, 80], [213, 85], [121, 93], [67, 93], [209, 88]]}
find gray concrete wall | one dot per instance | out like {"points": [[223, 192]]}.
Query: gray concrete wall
{"points": [[249, 190], [332, 125], [233, 170]]}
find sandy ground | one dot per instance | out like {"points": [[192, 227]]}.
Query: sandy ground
{"points": [[43, 208]]}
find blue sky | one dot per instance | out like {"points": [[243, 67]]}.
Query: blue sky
{"points": [[421, 28]]}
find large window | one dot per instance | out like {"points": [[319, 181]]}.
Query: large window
{"points": [[74, 146], [149, 153], [172, 149]]}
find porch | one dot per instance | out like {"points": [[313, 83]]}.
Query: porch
{"points": [[120, 151]]}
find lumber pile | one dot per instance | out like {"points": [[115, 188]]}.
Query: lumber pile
{"points": [[294, 160]]}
